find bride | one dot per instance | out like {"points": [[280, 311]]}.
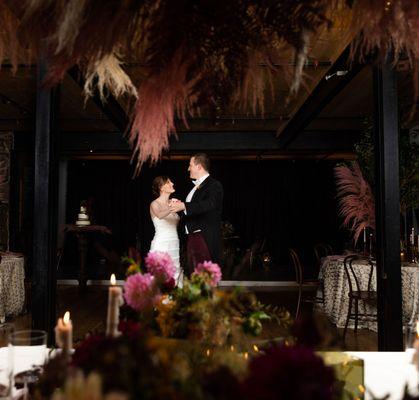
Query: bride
{"points": [[165, 223]]}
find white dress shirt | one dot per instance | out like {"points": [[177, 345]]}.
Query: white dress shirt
{"points": [[191, 193]]}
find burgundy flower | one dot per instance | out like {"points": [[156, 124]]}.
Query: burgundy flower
{"points": [[289, 373], [129, 328]]}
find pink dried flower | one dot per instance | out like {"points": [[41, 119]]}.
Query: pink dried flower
{"points": [[141, 292], [160, 264], [357, 205], [210, 268]]}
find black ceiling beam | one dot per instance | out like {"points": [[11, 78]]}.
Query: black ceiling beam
{"points": [[319, 98], [112, 109], [105, 142]]}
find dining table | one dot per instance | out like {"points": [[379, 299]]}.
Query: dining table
{"points": [[336, 290], [12, 284], [385, 373]]}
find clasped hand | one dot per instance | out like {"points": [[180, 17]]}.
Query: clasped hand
{"points": [[176, 205]]}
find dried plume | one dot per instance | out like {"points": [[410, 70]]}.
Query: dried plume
{"points": [[108, 73], [160, 98], [357, 206]]}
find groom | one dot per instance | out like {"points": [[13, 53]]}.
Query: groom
{"points": [[202, 209]]}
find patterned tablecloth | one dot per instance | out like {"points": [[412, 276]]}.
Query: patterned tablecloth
{"points": [[336, 289], [12, 284]]}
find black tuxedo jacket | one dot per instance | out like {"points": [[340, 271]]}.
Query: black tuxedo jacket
{"points": [[203, 213]]}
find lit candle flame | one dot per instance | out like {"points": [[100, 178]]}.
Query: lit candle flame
{"points": [[113, 280], [66, 318], [246, 355], [208, 352], [255, 348]]}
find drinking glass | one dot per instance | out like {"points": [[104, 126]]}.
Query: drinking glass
{"points": [[410, 336], [6, 370], [28, 353]]}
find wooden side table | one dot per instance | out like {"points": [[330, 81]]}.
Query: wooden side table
{"points": [[82, 233]]}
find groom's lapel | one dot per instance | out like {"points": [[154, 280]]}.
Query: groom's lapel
{"points": [[200, 187], [203, 184]]}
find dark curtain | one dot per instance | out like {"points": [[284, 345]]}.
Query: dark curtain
{"points": [[290, 203]]}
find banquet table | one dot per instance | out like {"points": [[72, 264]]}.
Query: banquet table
{"points": [[12, 284], [385, 373], [336, 289]]}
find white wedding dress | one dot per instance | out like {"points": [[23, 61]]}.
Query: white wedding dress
{"points": [[166, 239]]}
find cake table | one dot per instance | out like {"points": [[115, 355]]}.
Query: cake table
{"points": [[82, 233]]}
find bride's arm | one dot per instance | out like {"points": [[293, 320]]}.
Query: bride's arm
{"points": [[158, 210]]}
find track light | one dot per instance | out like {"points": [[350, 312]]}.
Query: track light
{"points": [[337, 73]]}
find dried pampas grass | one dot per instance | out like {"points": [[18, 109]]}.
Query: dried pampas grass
{"points": [[160, 98], [108, 73], [10, 48], [357, 205]]}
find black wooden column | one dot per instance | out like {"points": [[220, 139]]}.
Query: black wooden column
{"points": [[45, 204], [389, 286]]}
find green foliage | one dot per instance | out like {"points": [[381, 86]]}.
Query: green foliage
{"points": [[408, 163]]}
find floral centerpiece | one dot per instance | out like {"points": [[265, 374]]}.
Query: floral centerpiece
{"points": [[196, 311], [135, 366]]}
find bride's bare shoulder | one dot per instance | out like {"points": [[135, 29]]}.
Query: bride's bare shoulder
{"points": [[154, 206]]}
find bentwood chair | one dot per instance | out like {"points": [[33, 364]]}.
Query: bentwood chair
{"points": [[301, 282], [358, 293], [321, 250]]}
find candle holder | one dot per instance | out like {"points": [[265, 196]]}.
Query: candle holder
{"points": [[370, 245], [349, 371], [415, 359]]}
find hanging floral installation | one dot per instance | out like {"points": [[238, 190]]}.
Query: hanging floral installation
{"points": [[357, 206], [197, 54]]}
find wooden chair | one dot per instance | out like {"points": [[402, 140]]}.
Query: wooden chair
{"points": [[357, 293], [321, 250], [299, 277]]}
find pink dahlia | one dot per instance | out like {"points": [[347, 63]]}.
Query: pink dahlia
{"points": [[141, 292], [210, 268], [160, 264]]}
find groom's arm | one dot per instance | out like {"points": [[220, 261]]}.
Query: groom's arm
{"points": [[211, 202]]}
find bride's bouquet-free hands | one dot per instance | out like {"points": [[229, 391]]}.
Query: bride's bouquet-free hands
{"points": [[175, 205]]}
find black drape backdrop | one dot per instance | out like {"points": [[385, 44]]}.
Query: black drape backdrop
{"points": [[291, 203]]}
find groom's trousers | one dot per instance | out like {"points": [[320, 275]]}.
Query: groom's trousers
{"points": [[196, 250]]}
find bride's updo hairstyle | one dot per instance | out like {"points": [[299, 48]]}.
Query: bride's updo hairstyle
{"points": [[158, 182]]}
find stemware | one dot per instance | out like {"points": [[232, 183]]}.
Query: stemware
{"points": [[6, 370], [28, 353]]}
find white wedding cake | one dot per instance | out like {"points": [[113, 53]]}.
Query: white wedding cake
{"points": [[82, 217]]}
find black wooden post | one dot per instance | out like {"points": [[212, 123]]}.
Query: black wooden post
{"points": [[45, 204], [389, 285]]}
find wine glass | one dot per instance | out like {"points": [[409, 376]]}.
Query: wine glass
{"points": [[28, 353], [6, 370]]}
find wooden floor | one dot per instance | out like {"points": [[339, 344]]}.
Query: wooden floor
{"points": [[88, 313]]}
